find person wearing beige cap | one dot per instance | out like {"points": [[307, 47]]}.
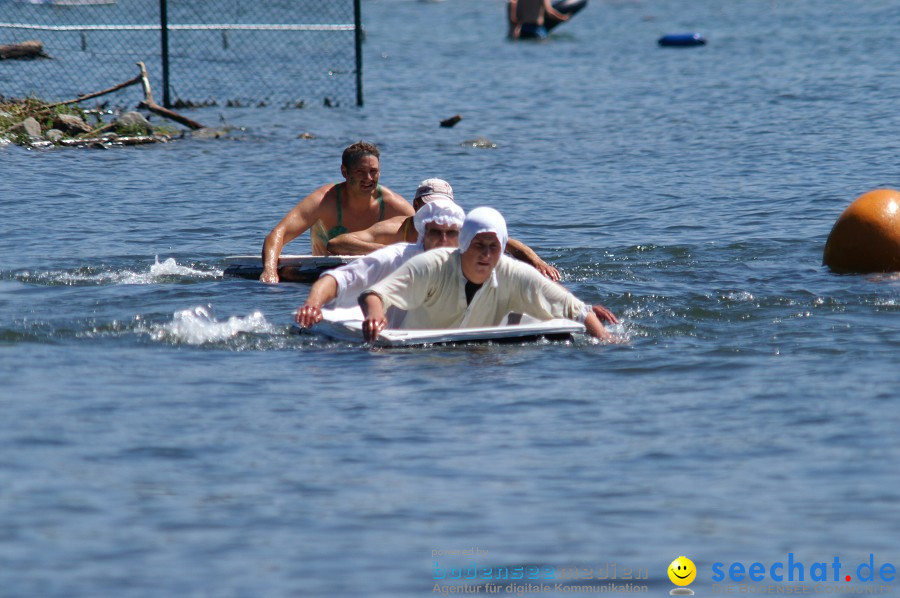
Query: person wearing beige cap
{"points": [[401, 230], [336, 208]]}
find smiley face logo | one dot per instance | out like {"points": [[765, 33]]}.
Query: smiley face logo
{"points": [[682, 571]]}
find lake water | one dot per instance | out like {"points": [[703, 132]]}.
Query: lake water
{"points": [[164, 433]]}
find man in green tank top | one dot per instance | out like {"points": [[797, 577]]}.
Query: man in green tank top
{"points": [[336, 208]]}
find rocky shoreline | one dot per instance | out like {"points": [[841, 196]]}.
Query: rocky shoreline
{"points": [[36, 124]]}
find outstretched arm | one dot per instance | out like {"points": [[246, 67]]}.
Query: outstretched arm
{"points": [[324, 290], [596, 329], [524, 253], [604, 315], [374, 322], [514, 25], [363, 242], [296, 222], [358, 243], [542, 299], [548, 8]]}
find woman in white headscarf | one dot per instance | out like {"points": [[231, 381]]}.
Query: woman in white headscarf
{"points": [[474, 285]]}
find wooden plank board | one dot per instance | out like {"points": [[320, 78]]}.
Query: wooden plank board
{"points": [[291, 268]]}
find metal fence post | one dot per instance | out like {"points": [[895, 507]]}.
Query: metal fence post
{"points": [[164, 51], [357, 17]]}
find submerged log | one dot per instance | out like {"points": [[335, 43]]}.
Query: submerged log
{"points": [[114, 139], [29, 49]]}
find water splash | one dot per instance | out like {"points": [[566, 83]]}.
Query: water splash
{"points": [[198, 326], [739, 297], [171, 268], [166, 271]]}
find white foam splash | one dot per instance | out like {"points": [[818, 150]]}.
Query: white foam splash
{"points": [[739, 296], [160, 270], [156, 272], [197, 326]]}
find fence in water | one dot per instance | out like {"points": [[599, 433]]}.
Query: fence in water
{"points": [[197, 52]]}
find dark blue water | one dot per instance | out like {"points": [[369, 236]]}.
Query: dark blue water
{"points": [[164, 433]]}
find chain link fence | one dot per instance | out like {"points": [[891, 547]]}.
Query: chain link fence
{"points": [[219, 52]]}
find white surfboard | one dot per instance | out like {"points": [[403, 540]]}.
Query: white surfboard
{"points": [[345, 324], [291, 268]]}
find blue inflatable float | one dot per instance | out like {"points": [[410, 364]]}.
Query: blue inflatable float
{"points": [[682, 40]]}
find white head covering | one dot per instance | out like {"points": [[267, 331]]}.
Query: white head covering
{"points": [[483, 220], [439, 211], [432, 189]]}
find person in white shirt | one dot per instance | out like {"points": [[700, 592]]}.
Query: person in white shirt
{"points": [[400, 229], [474, 285], [437, 223]]}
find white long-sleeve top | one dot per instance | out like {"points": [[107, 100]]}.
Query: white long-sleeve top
{"points": [[431, 287], [353, 278]]}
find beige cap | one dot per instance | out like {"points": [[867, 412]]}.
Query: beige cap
{"points": [[431, 189]]}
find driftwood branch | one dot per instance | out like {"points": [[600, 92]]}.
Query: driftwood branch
{"points": [[145, 83], [97, 93], [29, 49], [150, 104]]}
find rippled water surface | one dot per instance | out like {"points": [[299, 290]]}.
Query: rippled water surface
{"points": [[164, 433]]}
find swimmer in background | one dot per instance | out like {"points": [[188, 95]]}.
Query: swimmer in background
{"points": [[335, 209], [400, 230], [526, 18]]}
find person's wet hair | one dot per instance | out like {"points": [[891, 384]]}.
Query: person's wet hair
{"points": [[357, 152]]}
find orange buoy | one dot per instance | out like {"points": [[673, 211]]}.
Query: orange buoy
{"points": [[866, 237]]}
